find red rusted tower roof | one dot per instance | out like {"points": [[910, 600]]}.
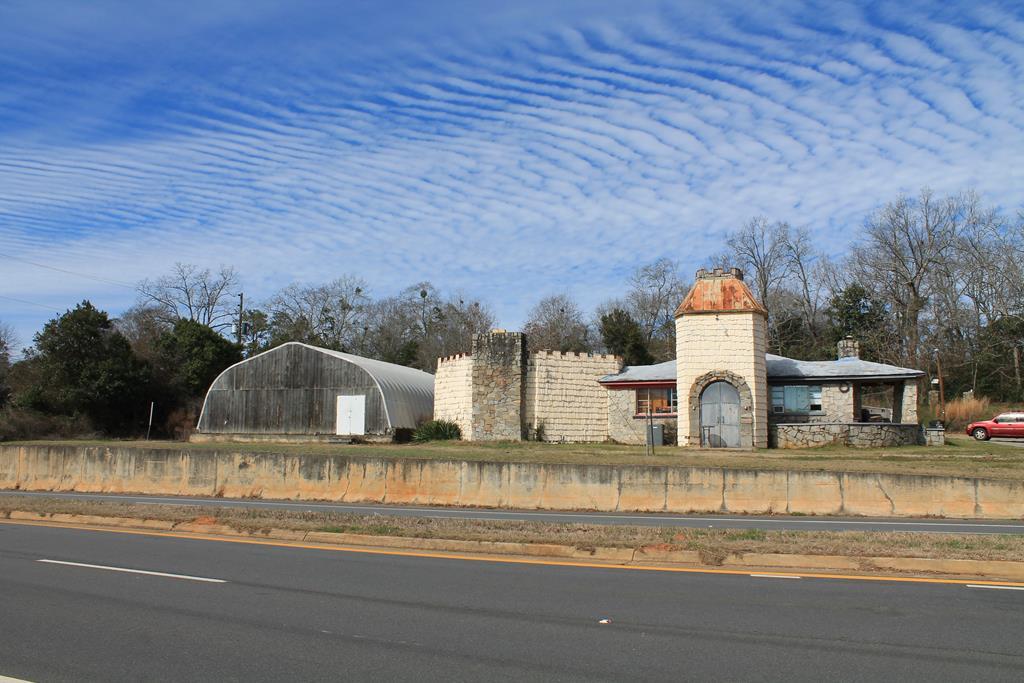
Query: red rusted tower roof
{"points": [[720, 291]]}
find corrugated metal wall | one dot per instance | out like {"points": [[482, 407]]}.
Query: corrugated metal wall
{"points": [[288, 390]]}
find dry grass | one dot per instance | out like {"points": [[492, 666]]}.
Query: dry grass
{"points": [[963, 411], [961, 456], [713, 544]]}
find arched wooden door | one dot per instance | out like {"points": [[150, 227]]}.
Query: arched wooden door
{"points": [[720, 416]]}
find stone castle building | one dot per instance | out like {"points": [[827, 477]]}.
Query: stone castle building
{"points": [[503, 392], [723, 390]]}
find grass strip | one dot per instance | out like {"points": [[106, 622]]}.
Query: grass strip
{"points": [[714, 545]]}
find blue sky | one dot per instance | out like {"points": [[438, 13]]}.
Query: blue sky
{"points": [[509, 150]]}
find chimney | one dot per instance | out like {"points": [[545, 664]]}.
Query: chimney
{"points": [[848, 347]]}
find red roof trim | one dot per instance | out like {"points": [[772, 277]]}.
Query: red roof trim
{"points": [[651, 384]]}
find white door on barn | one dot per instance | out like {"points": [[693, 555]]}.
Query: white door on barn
{"points": [[351, 415]]}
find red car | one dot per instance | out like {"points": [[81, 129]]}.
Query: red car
{"points": [[1006, 424]]}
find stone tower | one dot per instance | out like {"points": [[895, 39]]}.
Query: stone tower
{"points": [[722, 384], [498, 386]]}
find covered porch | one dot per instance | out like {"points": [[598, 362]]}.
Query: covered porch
{"points": [[849, 402]]}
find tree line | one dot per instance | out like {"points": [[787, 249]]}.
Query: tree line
{"points": [[928, 279]]}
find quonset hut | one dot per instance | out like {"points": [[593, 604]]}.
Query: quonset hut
{"points": [[301, 392]]}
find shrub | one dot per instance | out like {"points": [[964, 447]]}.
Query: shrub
{"points": [[19, 424], [437, 430], [403, 435]]}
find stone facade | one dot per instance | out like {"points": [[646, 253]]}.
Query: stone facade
{"points": [[499, 366], [837, 402], [909, 404], [623, 424], [837, 405], [733, 342], [563, 400], [934, 436], [453, 391], [503, 393], [862, 435]]}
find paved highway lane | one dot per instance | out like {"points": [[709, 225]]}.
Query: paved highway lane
{"points": [[285, 613], [960, 526]]}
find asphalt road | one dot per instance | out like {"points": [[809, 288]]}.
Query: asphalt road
{"points": [[674, 520], [281, 613]]}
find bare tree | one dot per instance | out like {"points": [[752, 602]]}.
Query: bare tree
{"points": [[762, 250], [392, 331], [557, 323], [450, 328], [656, 290], [330, 315], [142, 325], [8, 340], [807, 273], [191, 293], [908, 244]]}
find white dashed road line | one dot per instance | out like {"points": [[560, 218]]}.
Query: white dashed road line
{"points": [[165, 575], [998, 588]]}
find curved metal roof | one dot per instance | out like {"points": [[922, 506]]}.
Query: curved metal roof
{"points": [[408, 393]]}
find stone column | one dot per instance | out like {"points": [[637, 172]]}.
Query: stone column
{"points": [[499, 367]]}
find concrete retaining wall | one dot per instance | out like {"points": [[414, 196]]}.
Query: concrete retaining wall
{"points": [[501, 485]]}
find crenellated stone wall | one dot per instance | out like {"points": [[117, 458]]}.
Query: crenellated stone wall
{"points": [[501, 392], [564, 401], [453, 391]]}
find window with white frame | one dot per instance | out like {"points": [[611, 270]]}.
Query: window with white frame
{"points": [[796, 399], [656, 401]]}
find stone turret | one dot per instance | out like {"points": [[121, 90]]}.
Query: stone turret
{"points": [[721, 336], [498, 386]]}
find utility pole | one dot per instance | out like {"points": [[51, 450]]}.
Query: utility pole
{"points": [[942, 387], [241, 309]]}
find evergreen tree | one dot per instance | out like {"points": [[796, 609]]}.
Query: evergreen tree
{"points": [[623, 337], [86, 367], [191, 355]]}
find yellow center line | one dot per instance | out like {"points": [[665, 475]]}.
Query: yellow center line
{"points": [[507, 560]]}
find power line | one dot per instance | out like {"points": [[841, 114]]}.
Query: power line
{"points": [[70, 272], [30, 303]]}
